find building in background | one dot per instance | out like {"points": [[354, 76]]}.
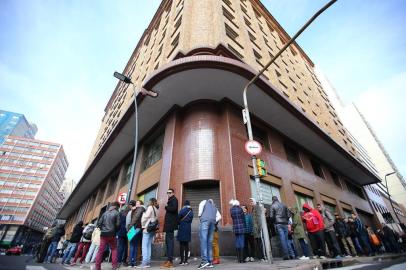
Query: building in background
{"points": [[198, 55], [67, 187], [15, 124], [31, 174], [372, 154]]}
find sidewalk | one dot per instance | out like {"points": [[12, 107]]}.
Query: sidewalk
{"points": [[230, 263]]}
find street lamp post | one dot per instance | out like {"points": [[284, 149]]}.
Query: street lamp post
{"points": [[247, 121], [127, 80], [390, 200]]}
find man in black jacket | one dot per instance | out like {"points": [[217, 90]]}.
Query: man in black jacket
{"points": [[170, 225], [109, 223], [279, 215], [343, 232], [58, 233], [73, 242]]}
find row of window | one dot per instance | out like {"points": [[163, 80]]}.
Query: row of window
{"points": [[26, 149], [21, 176], [4, 184], [18, 192], [14, 209], [31, 143], [11, 218], [19, 155], [35, 165], [15, 200]]}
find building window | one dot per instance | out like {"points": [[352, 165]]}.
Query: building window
{"points": [[112, 185], [153, 151], [268, 190], [317, 169], [148, 194], [292, 155], [301, 199], [127, 173], [355, 189]]}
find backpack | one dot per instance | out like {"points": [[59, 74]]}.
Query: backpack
{"points": [[312, 223], [88, 234]]}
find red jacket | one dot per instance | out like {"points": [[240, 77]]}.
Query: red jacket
{"points": [[312, 219]]}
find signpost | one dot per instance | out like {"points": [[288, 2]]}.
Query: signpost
{"points": [[253, 147], [122, 197]]}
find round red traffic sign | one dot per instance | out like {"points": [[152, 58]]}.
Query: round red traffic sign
{"points": [[253, 147], [122, 197]]}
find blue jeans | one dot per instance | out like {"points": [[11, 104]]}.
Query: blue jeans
{"points": [[239, 240], [206, 231], [122, 249], [51, 251], [70, 250], [357, 245], [365, 242], [282, 231], [304, 247], [134, 244], [146, 247]]}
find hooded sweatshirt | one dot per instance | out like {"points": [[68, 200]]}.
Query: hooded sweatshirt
{"points": [[312, 219]]}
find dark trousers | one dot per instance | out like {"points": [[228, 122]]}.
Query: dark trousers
{"points": [[303, 245], [43, 250], [122, 249], [249, 247], [184, 251], [332, 243], [259, 253], [364, 238], [169, 242], [317, 243]]}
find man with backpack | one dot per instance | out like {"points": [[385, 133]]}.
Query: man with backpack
{"points": [[315, 228], [280, 215], [84, 243]]}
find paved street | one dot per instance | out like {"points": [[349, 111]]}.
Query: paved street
{"points": [[371, 263]]}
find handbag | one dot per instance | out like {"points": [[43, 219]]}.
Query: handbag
{"points": [[153, 226]]}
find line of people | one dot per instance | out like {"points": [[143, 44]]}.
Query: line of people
{"points": [[133, 227], [329, 234]]}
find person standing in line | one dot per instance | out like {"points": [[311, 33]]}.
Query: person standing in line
{"points": [[299, 233], [170, 225], [237, 215], [59, 249], [249, 247], [109, 223], [215, 246], [122, 239], [257, 229], [73, 242], [84, 244], [329, 232], [315, 229], [94, 247], [52, 249], [209, 216], [185, 218], [390, 238], [362, 234], [46, 242], [280, 214], [354, 236], [343, 233], [134, 220], [148, 220]]}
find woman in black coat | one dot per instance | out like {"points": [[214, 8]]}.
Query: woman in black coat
{"points": [[185, 232]]}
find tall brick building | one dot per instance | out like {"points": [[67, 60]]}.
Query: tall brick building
{"points": [[198, 55]]}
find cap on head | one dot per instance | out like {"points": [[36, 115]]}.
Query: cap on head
{"points": [[187, 202], [132, 203], [274, 198]]}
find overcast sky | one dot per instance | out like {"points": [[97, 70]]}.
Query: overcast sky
{"points": [[57, 59]]}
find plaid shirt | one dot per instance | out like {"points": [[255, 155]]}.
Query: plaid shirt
{"points": [[237, 215], [248, 225]]}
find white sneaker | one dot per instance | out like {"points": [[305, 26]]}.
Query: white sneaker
{"points": [[348, 256], [252, 259], [322, 257], [304, 258], [247, 259]]}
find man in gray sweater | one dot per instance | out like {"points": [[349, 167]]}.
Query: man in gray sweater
{"points": [[329, 232]]}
